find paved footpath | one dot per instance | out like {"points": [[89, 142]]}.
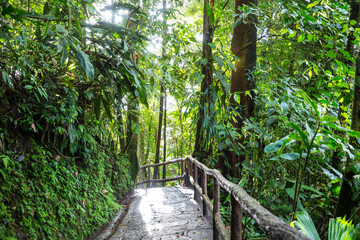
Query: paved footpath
{"points": [[164, 214]]}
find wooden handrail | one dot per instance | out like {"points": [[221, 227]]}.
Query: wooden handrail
{"points": [[163, 163], [148, 169], [274, 227]]}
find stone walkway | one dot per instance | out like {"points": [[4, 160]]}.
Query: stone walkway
{"points": [[164, 213]]}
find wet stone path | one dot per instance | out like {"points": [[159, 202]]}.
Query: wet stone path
{"points": [[164, 213]]}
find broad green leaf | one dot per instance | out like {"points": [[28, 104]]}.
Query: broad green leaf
{"points": [[306, 225], [273, 147], [301, 38], [64, 56], [312, 103], [83, 60], [301, 132], [313, 4], [310, 37], [219, 61], [349, 131], [290, 156], [204, 61], [213, 46], [329, 119], [210, 14], [284, 107], [292, 33]]}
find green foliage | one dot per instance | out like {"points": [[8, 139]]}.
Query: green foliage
{"points": [[63, 81], [339, 229], [55, 197]]}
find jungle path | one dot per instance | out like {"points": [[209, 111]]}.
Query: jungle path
{"points": [[164, 213]]}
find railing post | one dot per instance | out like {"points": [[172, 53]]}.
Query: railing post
{"points": [[216, 193], [149, 177], [236, 220], [164, 175], [187, 173], [196, 194], [204, 190], [182, 168]]}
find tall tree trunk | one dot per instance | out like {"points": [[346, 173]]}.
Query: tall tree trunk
{"points": [[148, 138], [162, 93], [345, 203], [243, 45], [142, 143], [164, 136], [133, 118], [158, 138], [207, 71]]}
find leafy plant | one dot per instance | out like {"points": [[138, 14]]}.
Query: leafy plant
{"points": [[339, 229]]}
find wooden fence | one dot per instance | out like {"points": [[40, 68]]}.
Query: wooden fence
{"points": [[274, 227]]}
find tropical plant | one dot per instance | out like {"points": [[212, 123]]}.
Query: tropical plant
{"points": [[339, 228]]}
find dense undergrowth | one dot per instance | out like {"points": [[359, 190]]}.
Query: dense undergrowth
{"points": [[44, 196]]}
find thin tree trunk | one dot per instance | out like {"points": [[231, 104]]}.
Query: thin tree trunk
{"points": [[164, 156], [158, 138], [207, 71], [162, 93], [244, 35], [148, 138], [142, 143]]}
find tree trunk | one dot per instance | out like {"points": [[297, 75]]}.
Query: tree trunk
{"points": [[146, 160], [142, 143], [243, 45], [158, 138], [345, 203], [207, 71], [164, 156], [133, 119], [162, 93]]}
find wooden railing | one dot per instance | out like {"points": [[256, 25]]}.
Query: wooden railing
{"points": [[274, 227], [147, 169]]}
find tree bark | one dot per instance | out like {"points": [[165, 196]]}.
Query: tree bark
{"points": [[133, 118], [243, 45], [207, 71]]}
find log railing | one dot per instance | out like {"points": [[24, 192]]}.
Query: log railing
{"points": [[147, 169], [274, 227]]}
